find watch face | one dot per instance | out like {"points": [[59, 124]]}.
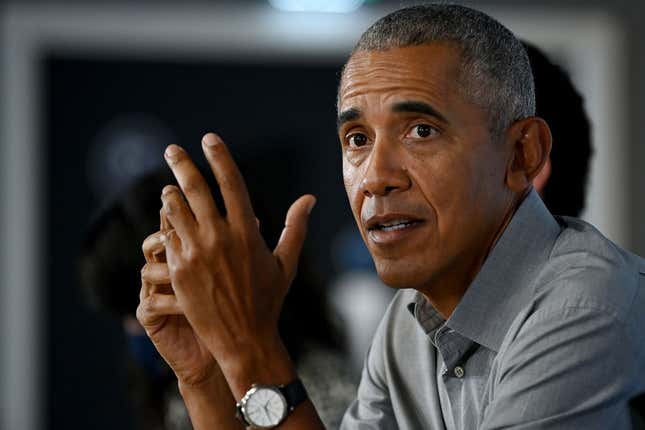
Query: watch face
{"points": [[265, 407]]}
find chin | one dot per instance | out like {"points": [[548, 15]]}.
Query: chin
{"points": [[401, 274]]}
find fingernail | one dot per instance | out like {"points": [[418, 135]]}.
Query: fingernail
{"points": [[172, 150], [311, 206], [210, 140]]}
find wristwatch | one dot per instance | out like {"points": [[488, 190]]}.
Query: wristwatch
{"points": [[267, 406]]}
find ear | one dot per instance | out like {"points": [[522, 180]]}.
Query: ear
{"points": [[529, 140], [539, 182]]}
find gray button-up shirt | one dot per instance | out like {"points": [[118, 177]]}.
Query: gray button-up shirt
{"points": [[550, 335]]}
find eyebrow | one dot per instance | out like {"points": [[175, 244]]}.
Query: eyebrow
{"points": [[418, 107], [350, 114], [353, 114]]}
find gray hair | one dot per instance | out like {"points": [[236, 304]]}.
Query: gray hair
{"points": [[495, 72]]}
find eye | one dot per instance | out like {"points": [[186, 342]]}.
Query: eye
{"points": [[422, 131], [357, 140]]}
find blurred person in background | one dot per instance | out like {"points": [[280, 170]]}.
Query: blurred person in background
{"points": [[109, 274], [562, 182]]}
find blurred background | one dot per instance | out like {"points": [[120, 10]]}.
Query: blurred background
{"points": [[91, 93]]}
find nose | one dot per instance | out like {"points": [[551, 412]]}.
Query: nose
{"points": [[386, 172]]}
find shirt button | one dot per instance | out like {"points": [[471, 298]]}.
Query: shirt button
{"points": [[459, 371]]}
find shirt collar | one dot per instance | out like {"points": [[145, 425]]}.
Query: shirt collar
{"points": [[426, 315], [504, 284]]}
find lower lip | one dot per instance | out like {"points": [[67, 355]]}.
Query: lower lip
{"points": [[386, 237]]}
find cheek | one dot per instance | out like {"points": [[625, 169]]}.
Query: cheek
{"points": [[459, 187], [446, 181], [352, 181], [442, 178]]}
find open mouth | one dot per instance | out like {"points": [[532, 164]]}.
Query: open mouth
{"points": [[394, 225]]}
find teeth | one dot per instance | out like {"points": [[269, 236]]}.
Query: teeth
{"points": [[395, 222], [394, 227]]}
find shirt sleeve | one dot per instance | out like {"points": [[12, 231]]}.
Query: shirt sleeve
{"points": [[569, 368]]}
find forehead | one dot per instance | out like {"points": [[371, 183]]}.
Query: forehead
{"points": [[427, 71]]}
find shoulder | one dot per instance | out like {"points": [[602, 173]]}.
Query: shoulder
{"points": [[588, 285], [588, 271], [585, 317]]}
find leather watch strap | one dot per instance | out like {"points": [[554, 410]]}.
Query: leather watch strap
{"points": [[240, 415], [294, 393]]}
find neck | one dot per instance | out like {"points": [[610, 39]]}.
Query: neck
{"points": [[445, 293]]}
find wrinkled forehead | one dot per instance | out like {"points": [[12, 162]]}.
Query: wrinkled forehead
{"points": [[430, 68]]}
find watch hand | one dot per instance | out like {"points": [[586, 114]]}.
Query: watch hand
{"points": [[266, 412]]}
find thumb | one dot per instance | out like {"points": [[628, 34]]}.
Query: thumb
{"points": [[293, 235]]}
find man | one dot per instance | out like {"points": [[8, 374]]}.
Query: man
{"points": [[506, 318]]}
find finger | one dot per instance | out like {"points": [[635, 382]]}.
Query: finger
{"points": [[157, 305], [152, 246], [229, 178], [161, 289], [145, 289], [157, 278], [293, 235], [178, 213], [173, 251], [159, 255], [155, 273], [164, 224], [192, 184]]}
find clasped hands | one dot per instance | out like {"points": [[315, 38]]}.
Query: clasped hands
{"points": [[211, 289]]}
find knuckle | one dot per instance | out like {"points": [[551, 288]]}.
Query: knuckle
{"points": [[169, 205], [144, 271], [192, 187], [192, 257], [149, 304], [247, 239], [180, 270], [149, 242], [170, 237], [141, 314]]}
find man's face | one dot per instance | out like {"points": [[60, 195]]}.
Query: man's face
{"points": [[425, 182]]}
